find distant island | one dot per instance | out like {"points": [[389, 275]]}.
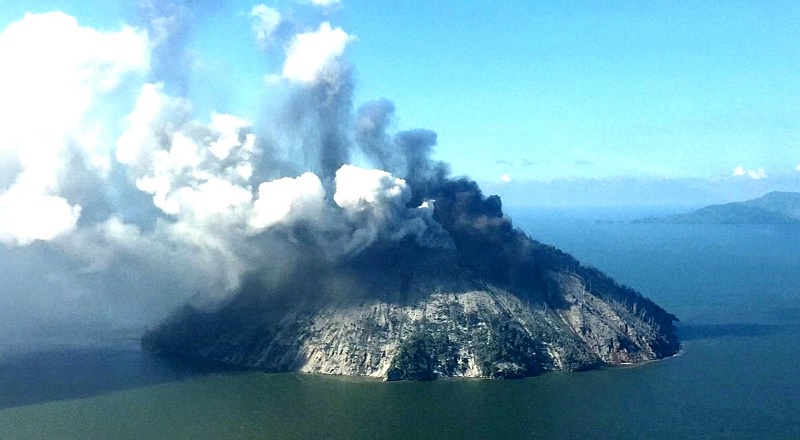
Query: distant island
{"points": [[776, 207]]}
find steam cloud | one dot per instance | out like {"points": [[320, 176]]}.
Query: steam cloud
{"points": [[131, 203], [755, 174]]}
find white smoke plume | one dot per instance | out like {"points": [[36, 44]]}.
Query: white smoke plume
{"points": [[134, 202], [55, 79], [314, 57]]}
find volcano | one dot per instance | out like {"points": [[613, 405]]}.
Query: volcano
{"points": [[303, 232], [493, 302], [339, 245]]}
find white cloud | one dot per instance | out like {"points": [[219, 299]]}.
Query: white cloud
{"points": [[54, 76], [229, 128], [266, 23], [26, 216], [311, 57], [199, 176], [325, 2], [288, 200], [755, 174], [797, 167], [505, 178], [153, 112], [197, 173], [374, 203], [357, 189]]}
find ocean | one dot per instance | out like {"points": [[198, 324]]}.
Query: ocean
{"points": [[735, 288]]}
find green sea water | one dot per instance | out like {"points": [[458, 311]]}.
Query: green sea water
{"points": [[735, 289]]}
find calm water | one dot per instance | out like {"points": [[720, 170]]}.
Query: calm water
{"points": [[735, 289]]}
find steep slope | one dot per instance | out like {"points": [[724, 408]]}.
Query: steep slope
{"points": [[494, 304]]}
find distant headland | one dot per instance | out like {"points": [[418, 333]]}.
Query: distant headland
{"points": [[776, 207]]}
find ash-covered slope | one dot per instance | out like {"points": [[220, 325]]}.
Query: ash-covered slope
{"points": [[494, 303]]}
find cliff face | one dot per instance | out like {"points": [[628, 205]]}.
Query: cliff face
{"points": [[437, 320]]}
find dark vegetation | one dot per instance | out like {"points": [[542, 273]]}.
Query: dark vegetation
{"points": [[507, 351], [424, 355], [503, 349]]}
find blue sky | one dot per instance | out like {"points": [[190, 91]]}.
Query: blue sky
{"points": [[537, 91], [672, 89]]}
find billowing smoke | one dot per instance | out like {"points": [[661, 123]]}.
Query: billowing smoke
{"points": [[125, 202]]}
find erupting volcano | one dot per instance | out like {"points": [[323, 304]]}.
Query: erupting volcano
{"points": [[484, 301], [309, 235], [391, 268]]}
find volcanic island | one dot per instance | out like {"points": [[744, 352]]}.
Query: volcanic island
{"points": [[484, 300]]}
